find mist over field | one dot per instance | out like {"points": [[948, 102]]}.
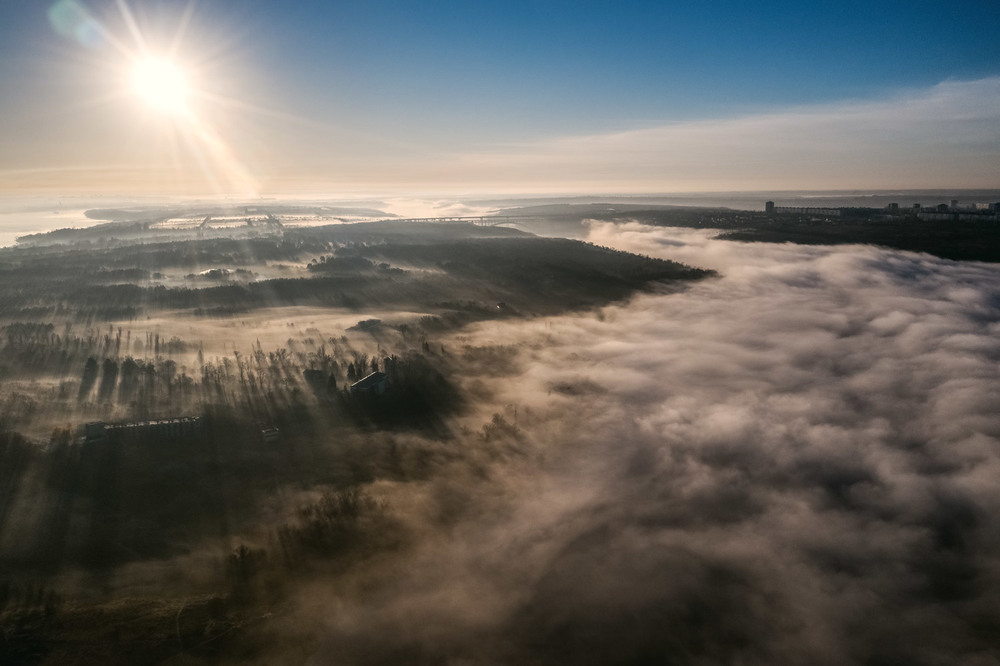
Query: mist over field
{"points": [[792, 463], [587, 452]]}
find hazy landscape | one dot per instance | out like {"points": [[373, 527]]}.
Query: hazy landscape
{"points": [[528, 333], [253, 334], [551, 406]]}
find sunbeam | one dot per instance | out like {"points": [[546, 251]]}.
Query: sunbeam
{"points": [[171, 88]]}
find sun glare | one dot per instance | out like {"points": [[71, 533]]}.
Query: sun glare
{"points": [[161, 83]]}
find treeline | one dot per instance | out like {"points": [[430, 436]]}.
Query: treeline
{"points": [[100, 496], [54, 262], [30, 348], [356, 266], [571, 272], [348, 261], [258, 513], [969, 240], [543, 275], [960, 240], [112, 374]]}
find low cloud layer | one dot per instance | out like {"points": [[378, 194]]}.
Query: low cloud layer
{"points": [[794, 463]]}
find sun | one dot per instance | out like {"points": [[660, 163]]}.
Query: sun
{"points": [[161, 83]]}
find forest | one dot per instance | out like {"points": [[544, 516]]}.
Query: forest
{"points": [[125, 537], [959, 240]]}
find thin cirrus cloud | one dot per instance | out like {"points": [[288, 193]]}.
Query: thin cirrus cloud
{"points": [[947, 135]]}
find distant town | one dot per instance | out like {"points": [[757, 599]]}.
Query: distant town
{"points": [[943, 211]]}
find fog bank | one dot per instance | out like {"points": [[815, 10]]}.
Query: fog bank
{"points": [[793, 463]]}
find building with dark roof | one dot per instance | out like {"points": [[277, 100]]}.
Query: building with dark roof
{"points": [[375, 383], [161, 429]]}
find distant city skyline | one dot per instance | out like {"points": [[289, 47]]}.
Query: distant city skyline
{"points": [[519, 97]]}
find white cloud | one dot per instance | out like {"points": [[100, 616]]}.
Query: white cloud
{"points": [[793, 463], [948, 135]]}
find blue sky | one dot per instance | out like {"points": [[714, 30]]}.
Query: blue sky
{"points": [[394, 91]]}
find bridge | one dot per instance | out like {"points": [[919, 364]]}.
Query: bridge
{"points": [[479, 221]]}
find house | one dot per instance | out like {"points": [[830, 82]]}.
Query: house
{"points": [[374, 384]]}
